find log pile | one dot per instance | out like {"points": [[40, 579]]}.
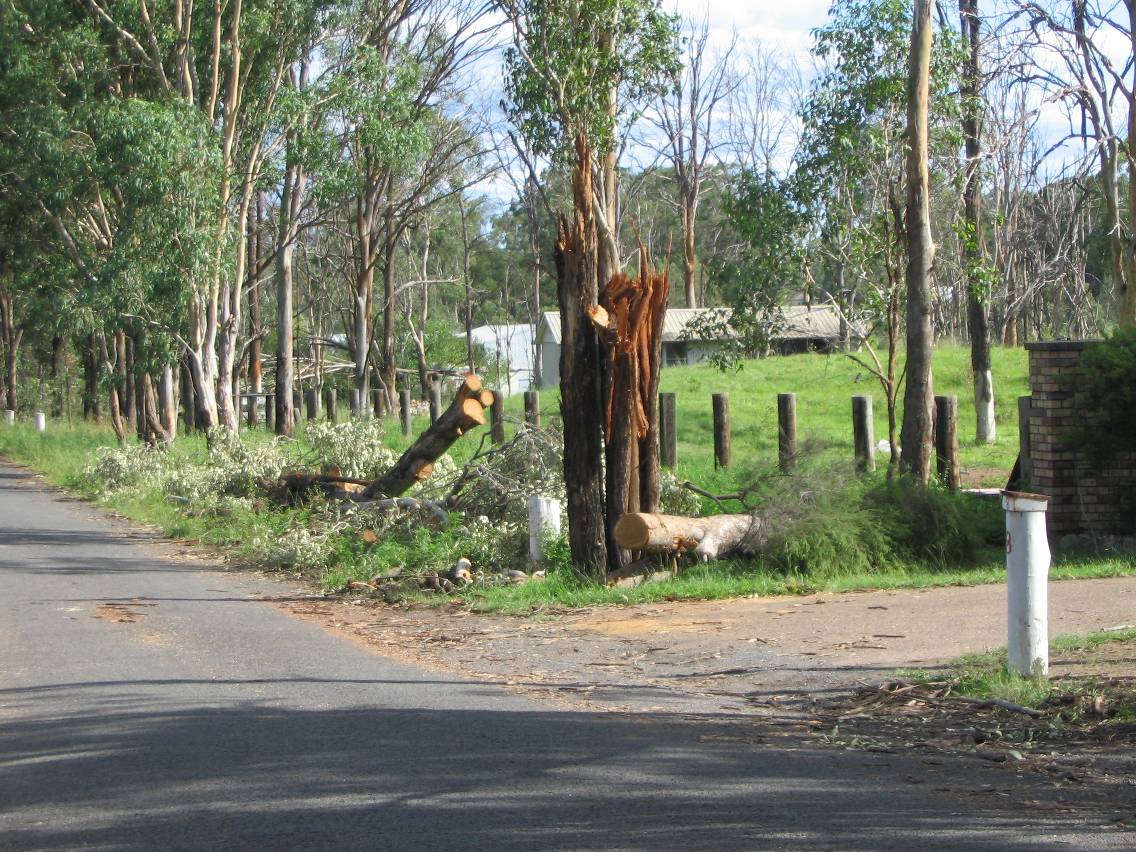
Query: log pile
{"points": [[466, 411]]}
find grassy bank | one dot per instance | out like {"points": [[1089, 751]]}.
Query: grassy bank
{"points": [[825, 529]]}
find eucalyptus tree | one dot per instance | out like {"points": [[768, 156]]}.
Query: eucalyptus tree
{"points": [[917, 434], [1083, 55], [977, 274], [688, 117], [407, 135], [225, 66]]}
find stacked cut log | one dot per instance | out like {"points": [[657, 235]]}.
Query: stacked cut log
{"points": [[629, 318]]}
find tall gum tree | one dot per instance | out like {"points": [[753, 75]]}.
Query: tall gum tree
{"points": [[916, 435]]}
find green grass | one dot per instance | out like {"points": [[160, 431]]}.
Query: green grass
{"points": [[735, 579], [986, 676], [824, 385], [855, 533]]}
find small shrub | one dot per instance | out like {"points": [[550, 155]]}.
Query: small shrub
{"points": [[117, 469], [1105, 386], [355, 447]]}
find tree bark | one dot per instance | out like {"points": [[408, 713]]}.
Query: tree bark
{"points": [[56, 375], [255, 317], [290, 202], [918, 398], [90, 379], [974, 255], [582, 405], [13, 334]]}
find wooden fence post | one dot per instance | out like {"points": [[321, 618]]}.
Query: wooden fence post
{"points": [[668, 430], [497, 418], [270, 412], [721, 405], [532, 408], [312, 401], [253, 410], [863, 434], [404, 410], [786, 431], [946, 441], [356, 408], [379, 404], [332, 412], [1025, 464], [435, 400]]}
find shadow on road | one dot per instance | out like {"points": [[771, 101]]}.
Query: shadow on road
{"points": [[269, 776]]}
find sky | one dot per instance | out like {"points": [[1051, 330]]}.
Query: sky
{"points": [[785, 23]]}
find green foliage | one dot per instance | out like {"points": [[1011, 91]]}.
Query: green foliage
{"points": [[1105, 386], [569, 57], [357, 448], [828, 524], [771, 229]]}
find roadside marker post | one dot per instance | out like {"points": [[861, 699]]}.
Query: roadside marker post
{"points": [[544, 523], [1027, 578]]}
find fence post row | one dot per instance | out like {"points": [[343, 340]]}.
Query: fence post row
{"points": [[1025, 469], [721, 406], [497, 418], [404, 410], [946, 441], [786, 431], [863, 434], [435, 401], [532, 408], [668, 430]]}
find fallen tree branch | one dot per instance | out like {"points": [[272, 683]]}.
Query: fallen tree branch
{"points": [[415, 465]]}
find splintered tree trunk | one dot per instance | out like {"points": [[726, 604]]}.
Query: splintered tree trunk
{"points": [[465, 412], [918, 399], [582, 405]]}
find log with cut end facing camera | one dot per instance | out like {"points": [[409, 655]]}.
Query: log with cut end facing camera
{"points": [[465, 412], [712, 537]]}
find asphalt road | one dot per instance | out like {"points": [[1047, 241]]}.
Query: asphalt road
{"points": [[146, 703]]}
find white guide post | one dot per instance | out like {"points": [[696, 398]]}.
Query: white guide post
{"points": [[1027, 570], [40, 421], [9, 417], [544, 523]]}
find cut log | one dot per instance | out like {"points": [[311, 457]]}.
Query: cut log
{"points": [[465, 412], [707, 538]]}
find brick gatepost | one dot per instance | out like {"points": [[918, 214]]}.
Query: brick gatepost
{"points": [[1083, 498]]}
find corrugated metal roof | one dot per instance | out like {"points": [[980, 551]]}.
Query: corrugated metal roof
{"points": [[800, 321]]}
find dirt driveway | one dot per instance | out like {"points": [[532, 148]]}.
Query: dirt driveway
{"points": [[705, 656]]}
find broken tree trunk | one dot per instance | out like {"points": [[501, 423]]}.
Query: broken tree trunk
{"points": [[465, 412], [708, 538]]}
